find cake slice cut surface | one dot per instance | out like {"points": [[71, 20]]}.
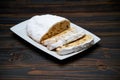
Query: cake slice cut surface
{"points": [[63, 38], [77, 45]]}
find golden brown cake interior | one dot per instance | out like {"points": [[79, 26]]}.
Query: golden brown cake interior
{"points": [[56, 29]]}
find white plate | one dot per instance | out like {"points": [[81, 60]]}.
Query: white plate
{"points": [[20, 30]]}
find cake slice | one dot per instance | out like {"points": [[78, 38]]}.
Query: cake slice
{"points": [[41, 27], [63, 38], [77, 45]]}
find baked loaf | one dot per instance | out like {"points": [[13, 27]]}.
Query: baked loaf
{"points": [[77, 45], [56, 34], [64, 37], [43, 27]]}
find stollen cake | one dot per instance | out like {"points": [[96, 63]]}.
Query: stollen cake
{"points": [[64, 37], [56, 34], [77, 45], [41, 27]]}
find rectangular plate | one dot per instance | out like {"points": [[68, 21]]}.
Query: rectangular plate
{"points": [[20, 30]]}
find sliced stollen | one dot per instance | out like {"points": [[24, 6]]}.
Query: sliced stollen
{"points": [[77, 45], [63, 38], [41, 27]]}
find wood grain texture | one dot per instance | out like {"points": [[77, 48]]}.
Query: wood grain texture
{"points": [[21, 61]]}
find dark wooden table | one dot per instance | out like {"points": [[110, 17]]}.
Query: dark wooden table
{"points": [[21, 61]]}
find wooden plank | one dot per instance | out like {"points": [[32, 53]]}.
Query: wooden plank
{"points": [[21, 61]]}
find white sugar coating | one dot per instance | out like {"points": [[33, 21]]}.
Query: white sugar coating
{"points": [[39, 25]]}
